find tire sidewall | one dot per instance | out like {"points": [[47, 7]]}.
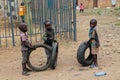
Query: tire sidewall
{"points": [[54, 55], [81, 55], [45, 66]]}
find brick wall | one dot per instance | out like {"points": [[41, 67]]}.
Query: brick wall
{"points": [[101, 3], [104, 3], [86, 3]]}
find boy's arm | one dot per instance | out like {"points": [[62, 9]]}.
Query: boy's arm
{"points": [[49, 37], [90, 40], [44, 37], [27, 44], [92, 37]]}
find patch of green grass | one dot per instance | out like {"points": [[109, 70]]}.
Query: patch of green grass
{"points": [[99, 12], [117, 23], [103, 11], [117, 8]]}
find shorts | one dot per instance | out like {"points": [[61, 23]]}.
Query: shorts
{"points": [[94, 50], [24, 56]]}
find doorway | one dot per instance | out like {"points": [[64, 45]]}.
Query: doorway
{"points": [[95, 3]]}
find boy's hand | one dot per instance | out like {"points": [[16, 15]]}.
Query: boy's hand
{"points": [[51, 38], [86, 43], [34, 48], [44, 37]]}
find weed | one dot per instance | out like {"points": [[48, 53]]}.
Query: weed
{"points": [[117, 8]]}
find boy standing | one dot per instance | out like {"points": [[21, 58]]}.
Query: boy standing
{"points": [[48, 36], [25, 46], [94, 42]]}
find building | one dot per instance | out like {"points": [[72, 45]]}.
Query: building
{"points": [[98, 3]]}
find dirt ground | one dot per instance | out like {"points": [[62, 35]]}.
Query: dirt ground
{"points": [[68, 67]]}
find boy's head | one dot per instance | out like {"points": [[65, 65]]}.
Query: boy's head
{"points": [[47, 24], [93, 22], [23, 27]]}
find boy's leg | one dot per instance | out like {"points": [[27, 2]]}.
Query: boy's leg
{"points": [[94, 53], [24, 72], [47, 53], [95, 59], [24, 60], [82, 10]]}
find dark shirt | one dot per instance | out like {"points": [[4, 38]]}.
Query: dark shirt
{"points": [[93, 34], [49, 37]]}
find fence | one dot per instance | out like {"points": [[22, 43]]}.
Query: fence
{"points": [[61, 13]]}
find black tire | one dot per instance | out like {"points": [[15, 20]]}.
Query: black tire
{"points": [[45, 66], [81, 55], [54, 55]]}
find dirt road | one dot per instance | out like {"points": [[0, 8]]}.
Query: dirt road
{"points": [[68, 68]]}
